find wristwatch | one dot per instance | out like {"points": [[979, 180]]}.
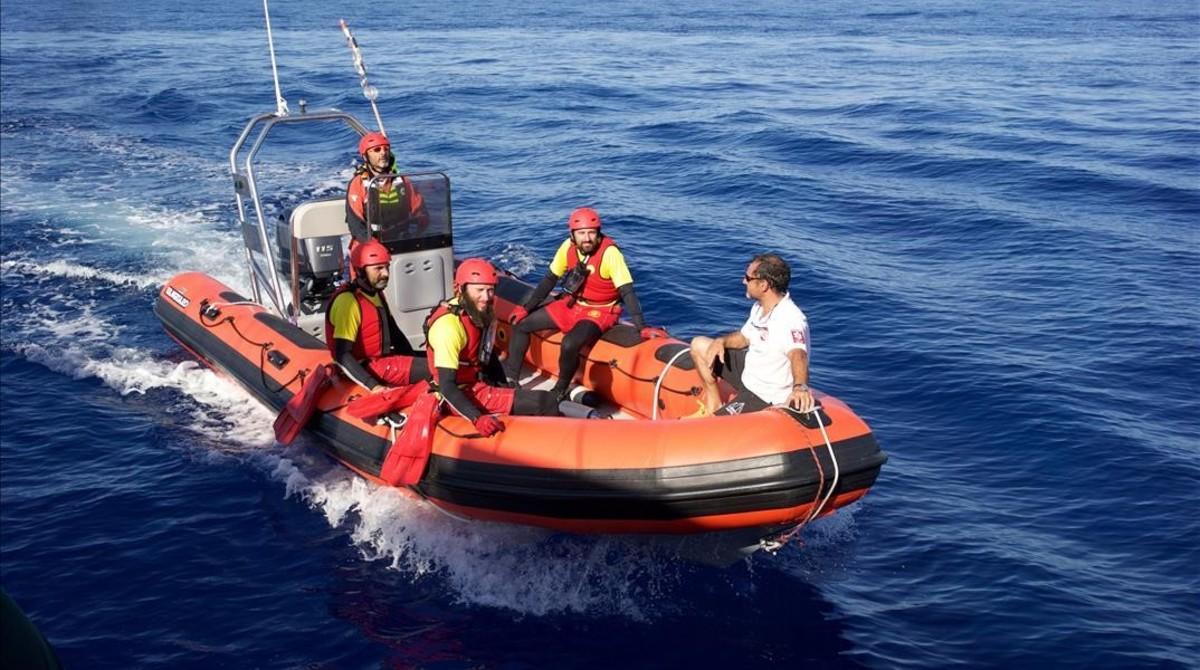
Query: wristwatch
{"points": [[802, 387]]}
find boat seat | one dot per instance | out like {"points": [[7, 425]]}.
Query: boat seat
{"points": [[320, 218], [622, 334]]}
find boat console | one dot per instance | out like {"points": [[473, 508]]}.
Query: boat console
{"points": [[297, 261]]}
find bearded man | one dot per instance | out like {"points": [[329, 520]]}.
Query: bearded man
{"points": [[360, 332], [460, 338], [595, 284]]}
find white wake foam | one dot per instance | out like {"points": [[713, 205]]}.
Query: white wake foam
{"points": [[521, 569], [71, 270], [75, 341], [525, 570], [517, 259]]}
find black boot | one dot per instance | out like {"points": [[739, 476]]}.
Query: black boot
{"points": [[512, 379], [586, 397], [578, 411]]}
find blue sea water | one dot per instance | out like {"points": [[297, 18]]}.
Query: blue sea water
{"points": [[991, 210]]}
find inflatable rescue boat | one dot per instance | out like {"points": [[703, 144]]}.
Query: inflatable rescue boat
{"points": [[642, 469]]}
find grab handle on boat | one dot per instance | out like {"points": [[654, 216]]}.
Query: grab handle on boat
{"points": [[394, 420], [658, 383], [813, 418]]}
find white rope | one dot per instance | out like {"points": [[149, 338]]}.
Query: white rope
{"points": [[774, 544], [281, 106], [662, 376], [815, 411], [393, 425]]}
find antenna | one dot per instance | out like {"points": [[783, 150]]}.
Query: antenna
{"points": [[281, 106], [369, 91]]}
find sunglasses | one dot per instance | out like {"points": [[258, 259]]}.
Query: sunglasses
{"points": [[748, 278]]}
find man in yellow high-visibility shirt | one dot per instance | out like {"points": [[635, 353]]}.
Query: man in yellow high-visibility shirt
{"points": [[596, 282], [459, 340], [360, 332]]}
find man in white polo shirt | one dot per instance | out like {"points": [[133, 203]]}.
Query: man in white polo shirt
{"points": [[767, 360]]}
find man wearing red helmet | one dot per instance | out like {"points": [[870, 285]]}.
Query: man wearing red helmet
{"points": [[595, 282], [459, 337], [398, 202], [360, 332]]}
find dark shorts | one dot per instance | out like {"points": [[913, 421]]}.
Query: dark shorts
{"points": [[731, 371]]}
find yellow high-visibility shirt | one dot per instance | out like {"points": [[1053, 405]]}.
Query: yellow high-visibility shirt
{"points": [[612, 266], [346, 316], [447, 337]]}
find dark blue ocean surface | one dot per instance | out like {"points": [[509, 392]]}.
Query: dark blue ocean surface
{"points": [[992, 213]]}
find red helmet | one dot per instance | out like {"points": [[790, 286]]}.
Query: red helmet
{"points": [[371, 252], [582, 219], [475, 271], [372, 140]]}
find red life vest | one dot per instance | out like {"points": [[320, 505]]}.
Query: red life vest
{"points": [[374, 335], [595, 288], [470, 367]]}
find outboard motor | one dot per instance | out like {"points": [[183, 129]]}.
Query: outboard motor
{"points": [[319, 271], [316, 232]]}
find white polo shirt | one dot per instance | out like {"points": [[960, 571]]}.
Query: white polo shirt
{"points": [[768, 372]]}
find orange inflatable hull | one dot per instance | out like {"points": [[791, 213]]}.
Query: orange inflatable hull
{"points": [[764, 470]]}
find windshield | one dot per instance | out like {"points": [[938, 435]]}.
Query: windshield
{"points": [[412, 212]]}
